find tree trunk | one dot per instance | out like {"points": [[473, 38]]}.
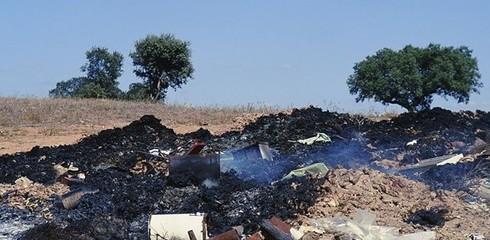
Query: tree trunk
{"points": [[155, 92]]}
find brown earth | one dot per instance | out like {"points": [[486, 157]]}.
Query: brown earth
{"points": [[25, 123], [23, 139], [397, 202]]}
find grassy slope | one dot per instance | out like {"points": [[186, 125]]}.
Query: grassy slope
{"points": [[22, 112]]}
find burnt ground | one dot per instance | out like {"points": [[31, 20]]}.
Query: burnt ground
{"points": [[363, 154]]}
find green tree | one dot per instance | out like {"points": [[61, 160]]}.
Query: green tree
{"points": [[91, 90], [68, 88], [162, 62], [138, 92], [411, 76], [103, 68]]}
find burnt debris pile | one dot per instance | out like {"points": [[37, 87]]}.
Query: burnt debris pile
{"points": [[108, 185]]}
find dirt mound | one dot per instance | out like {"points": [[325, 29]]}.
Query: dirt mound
{"points": [[398, 202], [109, 147]]}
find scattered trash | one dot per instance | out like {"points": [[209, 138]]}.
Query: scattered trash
{"points": [[194, 166], [72, 199], [256, 236], [276, 228], [232, 234], [177, 226], [363, 227], [483, 189], [411, 143], [196, 147], [69, 179], [68, 175], [274, 231], [296, 233], [437, 161], [23, 182], [451, 160], [258, 151], [320, 137], [133, 182], [475, 236], [159, 153], [317, 170]]}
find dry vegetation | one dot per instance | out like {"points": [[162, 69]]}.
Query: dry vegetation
{"points": [[22, 112], [27, 122]]}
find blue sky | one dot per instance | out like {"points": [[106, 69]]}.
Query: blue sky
{"points": [[283, 53]]}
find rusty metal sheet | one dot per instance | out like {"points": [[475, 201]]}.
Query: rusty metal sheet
{"points": [[278, 223], [228, 235], [256, 236]]}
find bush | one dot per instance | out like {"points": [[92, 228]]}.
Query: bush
{"points": [[91, 90], [137, 92]]}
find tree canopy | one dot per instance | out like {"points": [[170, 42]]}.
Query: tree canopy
{"points": [[68, 88], [162, 62], [411, 76], [102, 70], [137, 92]]}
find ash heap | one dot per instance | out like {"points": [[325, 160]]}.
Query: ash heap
{"points": [[309, 174]]}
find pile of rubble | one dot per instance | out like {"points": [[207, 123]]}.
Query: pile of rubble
{"points": [[408, 205], [113, 184]]}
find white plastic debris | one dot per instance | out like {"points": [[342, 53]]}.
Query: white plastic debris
{"points": [[475, 236], [362, 226], [157, 152], [411, 143], [319, 137], [452, 160], [296, 233], [177, 226]]}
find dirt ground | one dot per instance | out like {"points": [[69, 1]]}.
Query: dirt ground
{"points": [[23, 139], [29, 122], [114, 169]]}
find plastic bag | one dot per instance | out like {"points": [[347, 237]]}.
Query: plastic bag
{"points": [[362, 226]]}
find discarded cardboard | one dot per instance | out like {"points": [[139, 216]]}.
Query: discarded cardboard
{"points": [[317, 169], [177, 226]]}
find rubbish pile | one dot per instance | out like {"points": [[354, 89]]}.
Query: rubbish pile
{"points": [[272, 180]]}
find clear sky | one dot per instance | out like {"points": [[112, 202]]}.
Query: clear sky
{"points": [[285, 53]]}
